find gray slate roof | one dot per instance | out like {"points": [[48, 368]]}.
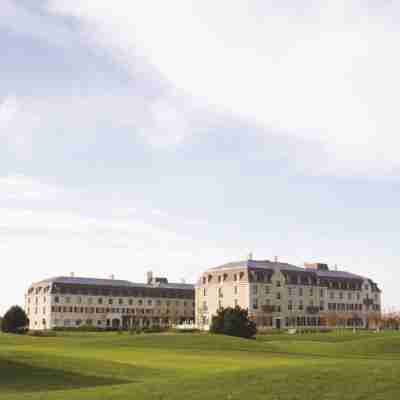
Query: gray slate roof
{"points": [[267, 264], [113, 282]]}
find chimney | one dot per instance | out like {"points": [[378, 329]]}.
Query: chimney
{"points": [[149, 277], [275, 259], [72, 274], [112, 276]]}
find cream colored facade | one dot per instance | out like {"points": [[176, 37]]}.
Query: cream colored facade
{"points": [[280, 295], [108, 303]]}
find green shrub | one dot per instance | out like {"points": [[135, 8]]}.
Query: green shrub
{"points": [[15, 320], [233, 322]]}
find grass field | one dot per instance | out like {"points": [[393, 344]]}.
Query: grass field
{"points": [[97, 366]]}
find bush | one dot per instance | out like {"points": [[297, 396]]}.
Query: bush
{"points": [[233, 322], [15, 320], [42, 333], [190, 330], [83, 328]]}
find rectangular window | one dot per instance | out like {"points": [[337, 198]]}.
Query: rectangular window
{"points": [[236, 290], [255, 304], [267, 290], [300, 291]]}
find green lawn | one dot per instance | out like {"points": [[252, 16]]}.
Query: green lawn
{"points": [[97, 366]]}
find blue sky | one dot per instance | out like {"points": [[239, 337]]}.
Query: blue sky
{"points": [[176, 137]]}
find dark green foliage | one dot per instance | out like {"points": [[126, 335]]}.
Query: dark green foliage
{"points": [[233, 322], [15, 320]]}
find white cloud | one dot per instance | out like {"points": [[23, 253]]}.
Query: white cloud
{"points": [[322, 72], [48, 230], [18, 122], [20, 187]]}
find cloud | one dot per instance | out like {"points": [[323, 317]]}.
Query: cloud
{"points": [[325, 73], [18, 122], [20, 187]]}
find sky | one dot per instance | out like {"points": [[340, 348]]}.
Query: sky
{"points": [[176, 136]]}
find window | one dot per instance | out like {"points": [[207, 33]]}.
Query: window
{"points": [[321, 292], [311, 292], [255, 304], [56, 299], [278, 296], [219, 279], [349, 296], [290, 305], [236, 302], [341, 295], [358, 296], [332, 295], [300, 291], [300, 304], [235, 277], [150, 302], [204, 292], [267, 290], [100, 300], [110, 301], [120, 301], [68, 300], [290, 291], [278, 283], [220, 293], [235, 289], [321, 305], [130, 302]]}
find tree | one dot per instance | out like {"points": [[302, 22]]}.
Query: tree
{"points": [[233, 322], [14, 320]]}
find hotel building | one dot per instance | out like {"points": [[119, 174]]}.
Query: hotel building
{"points": [[280, 295], [108, 303]]}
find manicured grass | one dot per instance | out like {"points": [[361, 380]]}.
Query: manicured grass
{"points": [[100, 366]]}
